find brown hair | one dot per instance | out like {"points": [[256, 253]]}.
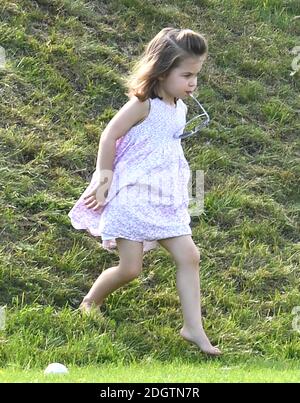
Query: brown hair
{"points": [[164, 52]]}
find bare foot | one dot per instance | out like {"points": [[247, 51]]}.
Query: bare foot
{"points": [[89, 308], [201, 340]]}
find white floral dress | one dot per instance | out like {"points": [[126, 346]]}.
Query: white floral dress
{"points": [[148, 198]]}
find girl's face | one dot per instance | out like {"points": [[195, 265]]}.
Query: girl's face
{"points": [[182, 80]]}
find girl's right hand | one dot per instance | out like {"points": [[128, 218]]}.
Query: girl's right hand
{"points": [[96, 197]]}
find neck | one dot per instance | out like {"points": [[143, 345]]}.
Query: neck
{"points": [[167, 98]]}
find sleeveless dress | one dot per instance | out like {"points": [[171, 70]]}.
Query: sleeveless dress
{"points": [[148, 198]]}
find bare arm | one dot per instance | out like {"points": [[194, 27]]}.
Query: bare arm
{"points": [[131, 113]]}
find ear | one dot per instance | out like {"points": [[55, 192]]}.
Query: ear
{"points": [[162, 77]]}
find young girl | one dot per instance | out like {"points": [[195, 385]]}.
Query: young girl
{"points": [[138, 196]]}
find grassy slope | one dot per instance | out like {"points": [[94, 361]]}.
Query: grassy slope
{"points": [[155, 371], [61, 85]]}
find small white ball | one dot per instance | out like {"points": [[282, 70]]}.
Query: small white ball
{"points": [[56, 368]]}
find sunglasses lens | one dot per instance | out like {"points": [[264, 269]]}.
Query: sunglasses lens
{"points": [[196, 123], [193, 125]]}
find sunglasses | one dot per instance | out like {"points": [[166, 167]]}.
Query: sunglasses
{"points": [[195, 124]]}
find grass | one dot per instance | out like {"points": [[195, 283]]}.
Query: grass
{"points": [[153, 371], [62, 83]]}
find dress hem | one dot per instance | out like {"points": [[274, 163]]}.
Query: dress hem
{"points": [[98, 235]]}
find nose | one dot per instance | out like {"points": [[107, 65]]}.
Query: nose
{"points": [[192, 87], [193, 82]]}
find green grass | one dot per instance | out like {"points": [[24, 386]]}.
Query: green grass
{"points": [[62, 83], [173, 372]]}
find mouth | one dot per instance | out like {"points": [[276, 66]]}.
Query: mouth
{"points": [[189, 92]]}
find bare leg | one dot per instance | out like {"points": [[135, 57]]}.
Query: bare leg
{"points": [[188, 285], [108, 281], [187, 257], [129, 267]]}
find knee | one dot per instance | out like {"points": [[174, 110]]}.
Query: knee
{"points": [[190, 260], [131, 272], [195, 257]]}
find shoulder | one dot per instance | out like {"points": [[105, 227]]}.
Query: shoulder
{"points": [[140, 107], [132, 112]]}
